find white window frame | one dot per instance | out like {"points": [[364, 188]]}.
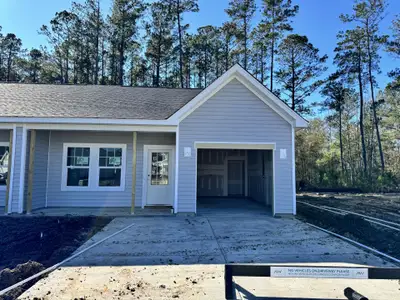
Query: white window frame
{"points": [[94, 168], [4, 144]]}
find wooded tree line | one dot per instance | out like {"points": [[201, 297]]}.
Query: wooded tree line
{"points": [[353, 141]]}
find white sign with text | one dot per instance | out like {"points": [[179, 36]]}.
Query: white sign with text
{"points": [[351, 273]]}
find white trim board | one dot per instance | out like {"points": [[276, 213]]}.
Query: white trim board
{"points": [[294, 171], [102, 127], [94, 121], [176, 170], [237, 72], [235, 145], [146, 149], [10, 194]]}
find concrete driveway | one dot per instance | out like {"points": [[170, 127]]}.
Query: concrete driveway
{"points": [[218, 239], [179, 257]]}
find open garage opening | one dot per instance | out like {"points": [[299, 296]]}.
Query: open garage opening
{"points": [[240, 180]]}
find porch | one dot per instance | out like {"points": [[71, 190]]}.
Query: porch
{"points": [[81, 170], [103, 211]]}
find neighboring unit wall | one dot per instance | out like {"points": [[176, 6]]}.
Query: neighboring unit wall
{"points": [[17, 159], [40, 169], [56, 197], [235, 115], [4, 137]]}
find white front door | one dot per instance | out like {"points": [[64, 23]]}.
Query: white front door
{"points": [[160, 175]]}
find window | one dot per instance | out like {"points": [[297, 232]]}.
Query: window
{"points": [[93, 167], [4, 155], [159, 168], [110, 164], [78, 166]]}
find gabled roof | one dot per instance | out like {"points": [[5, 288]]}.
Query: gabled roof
{"points": [[95, 104], [265, 95], [91, 101]]}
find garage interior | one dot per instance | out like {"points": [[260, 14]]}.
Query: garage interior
{"points": [[229, 179]]}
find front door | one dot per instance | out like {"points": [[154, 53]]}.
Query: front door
{"points": [[160, 176]]}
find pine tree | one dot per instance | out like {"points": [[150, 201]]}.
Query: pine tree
{"points": [[393, 47], [300, 66], [160, 40], [336, 94], [12, 46], [124, 23], [276, 22], [350, 59], [369, 13], [177, 9], [242, 13]]}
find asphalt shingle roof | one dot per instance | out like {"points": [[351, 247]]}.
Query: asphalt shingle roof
{"points": [[91, 101]]}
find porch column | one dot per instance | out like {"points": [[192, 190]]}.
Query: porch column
{"points": [[30, 171], [9, 170], [134, 158]]}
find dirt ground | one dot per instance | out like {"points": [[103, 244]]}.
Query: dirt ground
{"points": [[31, 244], [193, 282], [354, 227], [383, 206]]}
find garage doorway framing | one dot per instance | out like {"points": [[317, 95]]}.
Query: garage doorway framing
{"points": [[238, 146]]}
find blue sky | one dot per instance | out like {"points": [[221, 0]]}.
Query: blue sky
{"points": [[318, 19]]}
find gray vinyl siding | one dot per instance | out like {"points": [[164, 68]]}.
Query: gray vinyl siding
{"points": [[17, 143], [235, 114], [4, 137], [57, 198], [40, 169]]}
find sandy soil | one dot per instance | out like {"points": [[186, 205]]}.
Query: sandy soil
{"points": [[383, 206], [354, 227], [192, 282], [30, 244]]}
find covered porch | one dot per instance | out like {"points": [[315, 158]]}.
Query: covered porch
{"points": [[103, 211], [89, 170]]}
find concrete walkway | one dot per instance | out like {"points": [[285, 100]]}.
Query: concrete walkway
{"points": [[165, 257]]}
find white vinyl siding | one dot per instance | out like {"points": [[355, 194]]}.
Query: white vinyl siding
{"points": [[235, 115]]}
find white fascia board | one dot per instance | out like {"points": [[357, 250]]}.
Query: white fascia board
{"points": [[250, 82], [95, 121], [102, 127], [235, 145]]}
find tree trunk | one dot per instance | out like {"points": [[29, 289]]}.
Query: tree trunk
{"points": [[158, 59], [293, 83], [360, 84], [271, 86], [102, 63], [341, 140], [226, 55], [9, 64], [245, 42], [371, 81], [262, 64], [178, 9], [96, 72]]}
